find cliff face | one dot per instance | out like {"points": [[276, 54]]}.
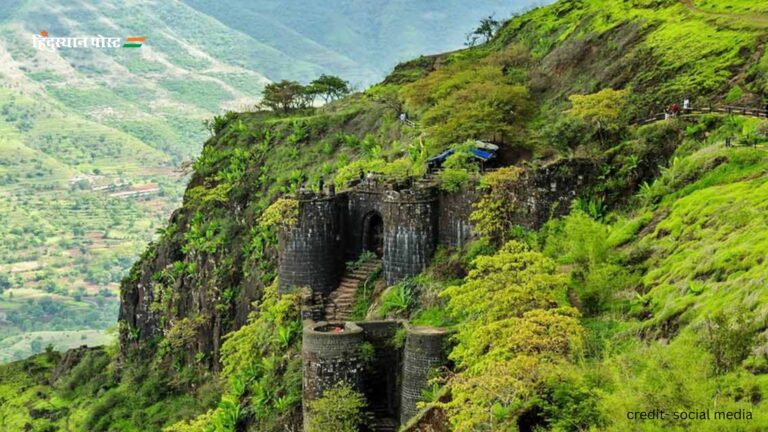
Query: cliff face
{"points": [[198, 281], [163, 297]]}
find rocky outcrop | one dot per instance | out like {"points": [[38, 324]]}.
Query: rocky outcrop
{"points": [[69, 360]]}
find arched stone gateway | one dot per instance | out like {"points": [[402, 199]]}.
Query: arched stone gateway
{"points": [[399, 225], [373, 233]]}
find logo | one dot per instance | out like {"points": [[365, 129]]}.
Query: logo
{"points": [[133, 42], [43, 41]]}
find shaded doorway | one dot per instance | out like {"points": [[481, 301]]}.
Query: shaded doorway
{"points": [[373, 234]]}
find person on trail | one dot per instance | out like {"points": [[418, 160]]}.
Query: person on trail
{"points": [[666, 114], [687, 105], [321, 184], [362, 175], [370, 177], [403, 117], [675, 109], [765, 108]]}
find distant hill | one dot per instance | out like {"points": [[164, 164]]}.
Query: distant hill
{"points": [[361, 40]]}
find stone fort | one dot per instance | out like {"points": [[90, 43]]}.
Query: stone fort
{"points": [[403, 224]]}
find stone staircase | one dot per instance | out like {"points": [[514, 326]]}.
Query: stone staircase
{"points": [[383, 421], [339, 305]]}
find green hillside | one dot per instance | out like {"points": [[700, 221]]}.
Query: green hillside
{"points": [[648, 294], [94, 141]]}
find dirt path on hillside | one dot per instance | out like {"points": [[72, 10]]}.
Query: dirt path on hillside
{"points": [[757, 20]]}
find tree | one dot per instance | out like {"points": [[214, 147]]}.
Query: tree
{"points": [[329, 87], [495, 213], [5, 282], [604, 110], [487, 30], [515, 336], [284, 96]]}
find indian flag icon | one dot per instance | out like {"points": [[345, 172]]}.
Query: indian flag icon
{"points": [[134, 42]]}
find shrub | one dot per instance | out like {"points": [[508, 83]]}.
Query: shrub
{"points": [[283, 212], [604, 110], [340, 409], [399, 300], [261, 365], [494, 214], [453, 180], [461, 103], [217, 124], [567, 132], [729, 340]]}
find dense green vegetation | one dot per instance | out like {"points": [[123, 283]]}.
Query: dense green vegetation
{"points": [[647, 295]]}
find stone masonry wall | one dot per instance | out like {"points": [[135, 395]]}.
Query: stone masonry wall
{"points": [[361, 202], [548, 191], [410, 232], [381, 379], [455, 208], [424, 351]]}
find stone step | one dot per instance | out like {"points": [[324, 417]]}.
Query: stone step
{"points": [[348, 299], [344, 292], [342, 302], [342, 299], [381, 422]]}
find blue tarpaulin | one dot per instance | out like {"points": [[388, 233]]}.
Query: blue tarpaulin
{"points": [[482, 154], [441, 157]]}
